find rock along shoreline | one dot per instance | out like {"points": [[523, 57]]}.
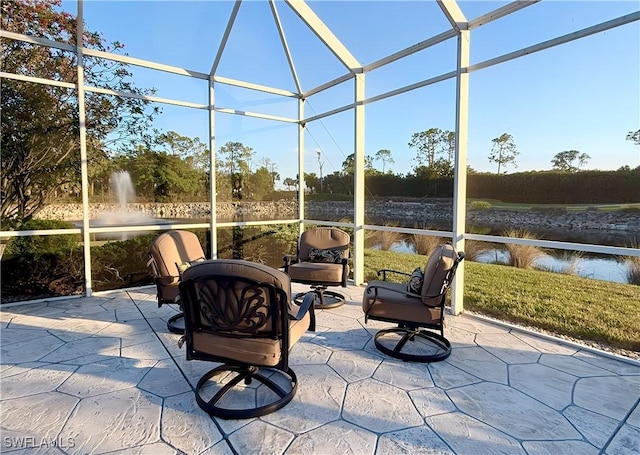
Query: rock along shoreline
{"points": [[418, 214]]}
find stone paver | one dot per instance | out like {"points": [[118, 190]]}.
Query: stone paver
{"points": [[103, 375]]}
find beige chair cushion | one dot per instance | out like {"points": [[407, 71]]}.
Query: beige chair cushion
{"points": [[169, 250], [172, 248], [327, 273], [320, 272], [392, 303], [322, 238], [438, 265], [258, 352]]}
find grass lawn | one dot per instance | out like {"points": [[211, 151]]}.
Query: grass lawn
{"points": [[581, 308], [517, 206]]}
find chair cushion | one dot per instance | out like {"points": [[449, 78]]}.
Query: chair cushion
{"points": [[438, 265], [323, 238], [316, 272], [395, 305], [416, 281], [329, 255], [171, 249], [252, 351]]}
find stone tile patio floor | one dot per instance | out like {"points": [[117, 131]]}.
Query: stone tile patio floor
{"points": [[103, 375]]}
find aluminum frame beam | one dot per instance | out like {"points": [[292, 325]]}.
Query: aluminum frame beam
{"points": [[256, 87], [225, 37], [460, 166], [84, 169], [499, 12], [613, 23], [359, 180], [213, 193], [454, 14], [325, 35], [285, 46]]}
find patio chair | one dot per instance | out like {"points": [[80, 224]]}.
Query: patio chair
{"points": [[321, 261], [169, 255], [414, 306], [240, 313]]}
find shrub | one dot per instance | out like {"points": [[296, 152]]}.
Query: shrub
{"points": [[633, 270], [42, 265], [424, 244], [386, 239], [481, 205], [632, 263], [522, 256], [41, 245], [474, 248]]}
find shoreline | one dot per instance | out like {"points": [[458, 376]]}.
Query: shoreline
{"points": [[435, 212]]}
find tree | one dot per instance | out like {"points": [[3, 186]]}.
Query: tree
{"points": [[271, 167], [260, 184], [384, 155], [185, 147], [634, 136], [503, 151], [40, 123], [233, 160], [569, 160], [427, 143], [449, 145], [289, 183], [311, 181], [348, 165], [161, 176]]}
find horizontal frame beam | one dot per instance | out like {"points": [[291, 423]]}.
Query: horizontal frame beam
{"points": [[622, 20], [499, 12], [422, 45], [255, 115], [256, 87]]}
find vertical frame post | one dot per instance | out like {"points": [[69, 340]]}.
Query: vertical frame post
{"points": [[358, 181], [460, 173], [301, 127], [213, 197], [84, 171]]}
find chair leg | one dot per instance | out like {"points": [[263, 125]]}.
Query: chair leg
{"points": [[435, 340], [246, 375]]}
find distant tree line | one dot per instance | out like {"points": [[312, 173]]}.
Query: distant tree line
{"points": [[541, 187]]}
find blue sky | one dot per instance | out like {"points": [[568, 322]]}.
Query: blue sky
{"points": [[583, 95]]}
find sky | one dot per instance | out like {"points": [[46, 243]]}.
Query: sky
{"points": [[583, 95]]}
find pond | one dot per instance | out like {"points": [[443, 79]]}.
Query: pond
{"points": [[588, 266]]}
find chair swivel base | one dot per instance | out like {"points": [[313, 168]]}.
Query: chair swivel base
{"points": [[246, 375], [324, 299], [433, 341], [175, 324]]}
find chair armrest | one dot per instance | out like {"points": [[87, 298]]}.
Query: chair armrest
{"points": [[304, 307], [406, 293], [288, 260], [166, 279], [383, 273], [397, 291]]}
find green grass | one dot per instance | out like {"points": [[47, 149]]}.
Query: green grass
{"points": [[581, 308], [518, 206]]}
